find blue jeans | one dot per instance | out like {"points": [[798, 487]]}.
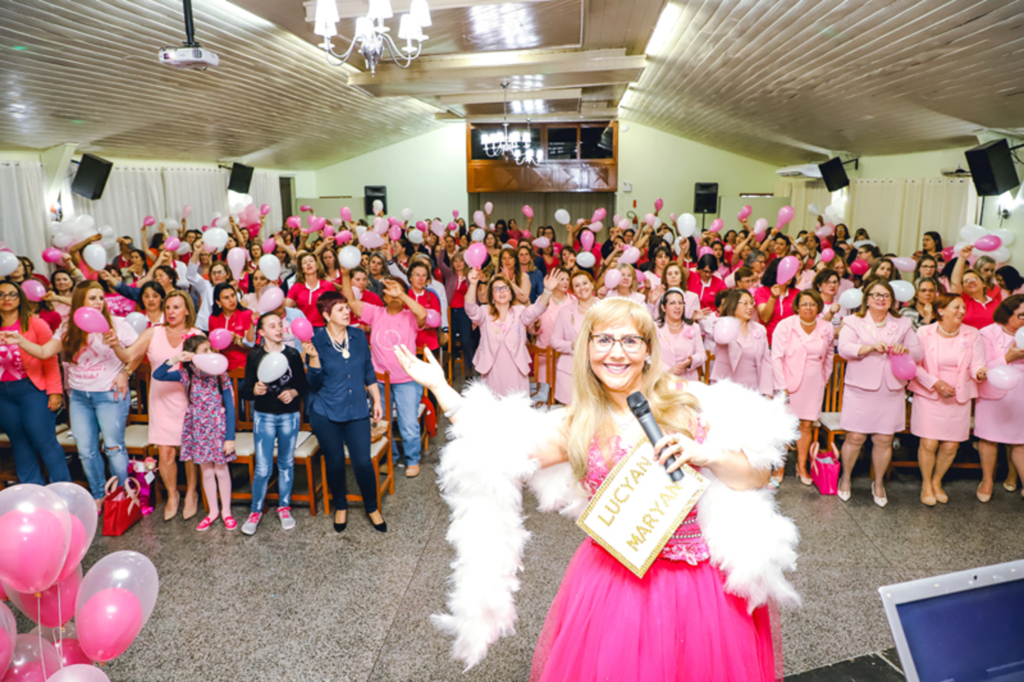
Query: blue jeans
{"points": [[266, 429], [405, 402], [96, 413], [26, 419]]}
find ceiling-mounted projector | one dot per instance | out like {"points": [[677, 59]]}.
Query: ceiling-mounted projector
{"points": [[191, 54]]}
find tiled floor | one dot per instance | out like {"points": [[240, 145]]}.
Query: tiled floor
{"points": [[313, 605]]}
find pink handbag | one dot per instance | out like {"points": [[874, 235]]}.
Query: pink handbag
{"points": [[825, 470]]}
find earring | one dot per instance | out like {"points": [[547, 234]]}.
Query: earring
{"points": [[647, 360]]}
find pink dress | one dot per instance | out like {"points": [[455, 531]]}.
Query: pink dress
{"points": [[940, 418], [802, 365], [681, 344], [998, 415], [547, 327], [567, 328], [677, 623], [167, 401]]}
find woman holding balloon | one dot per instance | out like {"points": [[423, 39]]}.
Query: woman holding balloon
{"points": [[275, 380], [997, 412], [776, 296], [946, 381], [704, 282], [30, 392], [880, 351], [741, 345], [231, 325], [620, 282], [95, 344], [167, 400], [309, 286], [970, 285]]}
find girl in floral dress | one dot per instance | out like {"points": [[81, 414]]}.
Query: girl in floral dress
{"points": [[208, 430]]}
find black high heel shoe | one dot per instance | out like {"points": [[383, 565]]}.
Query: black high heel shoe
{"points": [[381, 527], [338, 527]]}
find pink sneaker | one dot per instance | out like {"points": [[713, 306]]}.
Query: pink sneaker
{"points": [[230, 523], [205, 523]]}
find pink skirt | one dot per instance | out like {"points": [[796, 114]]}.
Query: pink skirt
{"points": [[942, 419], [882, 412], [678, 623]]}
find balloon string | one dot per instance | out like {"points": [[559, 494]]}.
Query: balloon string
{"points": [[60, 628], [39, 630]]}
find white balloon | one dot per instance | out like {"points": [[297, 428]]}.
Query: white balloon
{"points": [[360, 229], [1019, 337], [478, 235], [8, 263], [904, 290], [216, 237], [270, 266], [172, 225], [813, 209], [669, 237], [350, 257], [1005, 236], [562, 216], [971, 233], [657, 222], [1000, 255], [407, 214], [958, 247], [687, 224], [107, 231], [415, 236], [585, 259], [272, 367], [95, 256], [108, 243], [378, 205], [184, 248], [63, 240], [85, 221], [137, 321], [851, 299], [686, 231]]}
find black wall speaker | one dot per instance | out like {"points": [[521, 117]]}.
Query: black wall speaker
{"points": [[91, 177], [992, 168], [705, 197], [834, 174], [372, 192], [241, 178]]}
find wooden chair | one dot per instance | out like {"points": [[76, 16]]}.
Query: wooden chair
{"points": [[245, 444], [833, 404], [536, 352], [136, 435], [379, 449], [705, 370]]}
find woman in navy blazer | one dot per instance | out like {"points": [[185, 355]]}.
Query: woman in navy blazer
{"points": [[341, 381]]}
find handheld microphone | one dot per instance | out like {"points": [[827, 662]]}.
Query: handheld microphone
{"points": [[642, 411]]}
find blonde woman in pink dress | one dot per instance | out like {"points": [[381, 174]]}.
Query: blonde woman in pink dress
{"points": [[746, 359], [802, 355], [545, 325], [567, 330], [501, 358], [167, 400], [998, 414], [682, 347], [874, 400], [946, 382]]}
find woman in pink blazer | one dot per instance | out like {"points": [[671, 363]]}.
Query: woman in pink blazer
{"points": [[943, 389], [874, 400], [746, 359], [802, 354], [567, 329], [682, 348], [999, 415], [502, 359]]}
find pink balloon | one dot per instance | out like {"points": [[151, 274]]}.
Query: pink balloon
{"points": [[304, 208], [903, 367], [148, 221], [54, 606], [346, 214], [541, 243], [393, 221], [744, 212], [947, 253], [395, 233], [186, 212], [437, 227], [479, 219], [904, 264], [788, 267], [293, 222], [109, 622], [612, 279], [90, 320], [859, 266], [630, 255], [236, 261], [220, 339], [264, 209], [649, 219], [640, 277], [704, 251], [527, 211], [717, 224], [343, 236], [52, 255], [526, 234], [476, 254], [70, 651], [488, 208], [760, 225], [34, 289], [595, 226], [8, 635], [380, 225], [421, 226], [433, 318], [269, 245], [33, 546], [658, 204], [302, 329], [726, 330], [989, 242], [599, 214], [328, 231], [586, 240], [827, 255], [455, 215], [1004, 378], [211, 363], [785, 215], [271, 300], [31, 662], [371, 240], [823, 231], [172, 244]]}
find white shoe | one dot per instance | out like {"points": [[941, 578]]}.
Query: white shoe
{"points": [[880, 501], [843, 495]]}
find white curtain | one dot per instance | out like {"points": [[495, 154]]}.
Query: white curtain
{"points": [[204, 189], [130, 195], [802, 193], [23, 214], [266, 189], [896, 212]]}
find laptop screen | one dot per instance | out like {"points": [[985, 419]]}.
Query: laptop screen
{"points": [[972, 635]]}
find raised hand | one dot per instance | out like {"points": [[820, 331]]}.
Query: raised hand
{"points": [[427, 374]]}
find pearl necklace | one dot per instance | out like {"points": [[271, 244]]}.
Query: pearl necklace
{"points": [[673, 329], [340, 347], [943, 332]]}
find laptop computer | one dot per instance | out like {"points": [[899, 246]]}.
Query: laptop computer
{"points": [[961, 627]]}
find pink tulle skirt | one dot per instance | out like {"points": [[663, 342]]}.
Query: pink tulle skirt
{"points": [[678, 623]]}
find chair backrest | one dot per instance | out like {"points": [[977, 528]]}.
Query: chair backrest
{"points": [[537, 352], [385, 378], [705, 370], [139, 382], [243, 408], [834, 387]]}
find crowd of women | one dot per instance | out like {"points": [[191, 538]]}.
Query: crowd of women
{"points": [[725, 308]]}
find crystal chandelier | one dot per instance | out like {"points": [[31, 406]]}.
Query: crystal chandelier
{"points": [[518, 146], [371, 34]]}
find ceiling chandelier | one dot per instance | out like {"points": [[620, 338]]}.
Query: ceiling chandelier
{"points": [[515, 145], [371, 35]]}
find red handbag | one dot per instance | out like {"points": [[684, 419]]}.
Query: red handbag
{"points": [[121, 507]]}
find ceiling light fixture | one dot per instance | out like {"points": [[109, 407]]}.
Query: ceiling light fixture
{"points": [[371, 35], [663, 28], [515, 145]]}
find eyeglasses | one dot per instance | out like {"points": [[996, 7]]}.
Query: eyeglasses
{"points": [[880, 297], [630, 343], [13, 296], [500, 289]]}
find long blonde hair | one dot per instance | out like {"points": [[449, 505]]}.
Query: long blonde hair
{"points": [[588, 415]]}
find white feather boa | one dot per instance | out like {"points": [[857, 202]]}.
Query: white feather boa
{"points": [[487, 458]]}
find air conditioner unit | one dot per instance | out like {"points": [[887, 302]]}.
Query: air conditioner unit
{"points": [[808, 170], [958, 172]]}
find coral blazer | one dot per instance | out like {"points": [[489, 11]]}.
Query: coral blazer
{"points": [[45, 374], [789, 355], [515, 339], [869, 371], [972, 360]]}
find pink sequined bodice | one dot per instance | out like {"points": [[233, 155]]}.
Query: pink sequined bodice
{"points": [[686, 544]]}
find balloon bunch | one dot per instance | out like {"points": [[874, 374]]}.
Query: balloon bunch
{"points": [[66, 233], [986, 242], [44, 534]]}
